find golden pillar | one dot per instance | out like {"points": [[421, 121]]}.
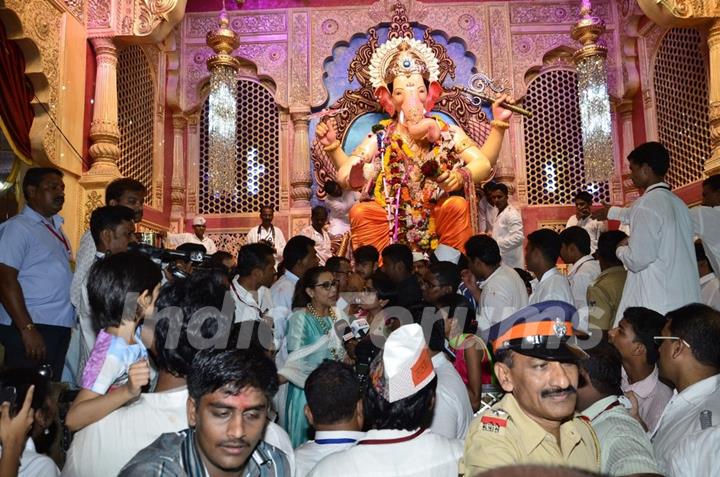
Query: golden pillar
{"points": [[104, 130], [712, 165]]}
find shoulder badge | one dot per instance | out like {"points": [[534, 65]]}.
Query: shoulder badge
{"points": [[491, 423]]}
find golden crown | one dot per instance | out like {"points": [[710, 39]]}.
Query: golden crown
{"points": [[402, 56]]}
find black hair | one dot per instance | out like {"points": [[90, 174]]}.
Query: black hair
{"points": [[366, 253], [318, 208], [447, 274], [233, 370], [607, 245], [548, 242], [712, 182], [699, 325], [407, 414], [385, 288], [456, 305], [604, 367], [527, 278], [176, 305], [35, 175], [333, 263], [484, 248], [654, 154], [701, 255], [584, 195], [267, 206], [504, 356], [332, 392], [21, 379], [308, 280], [646, 324], [332, 187], [502, 188], [220, 256], [577, 236], [253, 256], [398, 253], [112, 279], [489, 186], [118, 187], [108, 217], [296, 249]]}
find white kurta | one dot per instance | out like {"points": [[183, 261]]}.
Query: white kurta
{"points": [[710, 290], [249, 306], [593, 227], [503, 293], [509, 235], [339, 207], [453, 411], [323, 244], [706, 225], [487, 214], [179, 239], [581, 274], [273, 235], [427, 455], [326, 442], [552, 286], [660, 257]]}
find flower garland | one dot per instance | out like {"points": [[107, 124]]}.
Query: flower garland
{"points": [[406, 190]]}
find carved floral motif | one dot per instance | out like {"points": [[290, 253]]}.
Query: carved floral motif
{"points": [[532, 13], [299, 90], [76, 9], [99, 13], [197, 26]]}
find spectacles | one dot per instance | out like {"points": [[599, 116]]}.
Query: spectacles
{"points": [[659, 340], [328, 285]]}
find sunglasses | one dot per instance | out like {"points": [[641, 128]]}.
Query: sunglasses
{"points": [[328, 285], [659, 340]]}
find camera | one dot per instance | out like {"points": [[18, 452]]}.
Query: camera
{"points": [[167, 258]]}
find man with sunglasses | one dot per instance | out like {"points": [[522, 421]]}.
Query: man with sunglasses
{"points": [[689, 359], [534, 423]]}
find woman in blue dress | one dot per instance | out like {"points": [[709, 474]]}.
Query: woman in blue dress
{"points": [[310, 340]]}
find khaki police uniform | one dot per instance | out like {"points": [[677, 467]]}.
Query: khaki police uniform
{"points": [[505, 435]]}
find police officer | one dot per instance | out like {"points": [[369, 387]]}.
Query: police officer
{"points": [[535, 422]]}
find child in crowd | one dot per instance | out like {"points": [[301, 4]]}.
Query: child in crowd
{"points": [[122, 289]]}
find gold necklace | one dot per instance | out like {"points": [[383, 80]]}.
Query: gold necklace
{"points": [[323, 324]]}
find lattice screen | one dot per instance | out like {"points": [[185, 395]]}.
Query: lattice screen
{"points": [[257, 154], [680, 77], [229, 242], [553, 141], [136, 106]]}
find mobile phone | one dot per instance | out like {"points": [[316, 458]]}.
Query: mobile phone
{"points": [[8, 394]]}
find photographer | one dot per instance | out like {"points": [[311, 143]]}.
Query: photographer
{"points": [[23, 423]]}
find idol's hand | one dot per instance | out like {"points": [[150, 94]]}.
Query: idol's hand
{"points": [[498, 111], [326, 132], [450, 181]]}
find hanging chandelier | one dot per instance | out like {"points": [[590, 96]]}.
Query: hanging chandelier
{"points": [[222, 111], [593, 95]]}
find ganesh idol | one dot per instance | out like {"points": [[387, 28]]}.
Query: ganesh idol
{"points": [[413, 168]]}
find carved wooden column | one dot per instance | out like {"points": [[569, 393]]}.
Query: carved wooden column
{"points": [[300, 179], [712, 165], [177, 189], [104, 130], [193, 166], [621, 184]]}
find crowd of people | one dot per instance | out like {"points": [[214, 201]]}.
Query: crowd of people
{"points": [[288, 360]]}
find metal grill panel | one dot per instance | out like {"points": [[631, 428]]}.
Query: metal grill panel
{"points": [[257, 154], [136, 104], [683, 126], [553, 141]]}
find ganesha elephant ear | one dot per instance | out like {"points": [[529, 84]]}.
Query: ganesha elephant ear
{"points": [[383, 96], [435, 90]]}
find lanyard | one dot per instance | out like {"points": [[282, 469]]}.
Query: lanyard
{"points": [[272, 233], [392, 441], [58, 236], [256, 308], [613, 404], [341, 440]]}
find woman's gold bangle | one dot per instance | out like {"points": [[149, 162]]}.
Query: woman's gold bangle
{"points": [[496, 123]]}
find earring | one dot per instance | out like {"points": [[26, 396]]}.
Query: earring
{"points": [[46, 431]]}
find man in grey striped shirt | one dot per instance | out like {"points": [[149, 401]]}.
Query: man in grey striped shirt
{"points": [[229, 396]]}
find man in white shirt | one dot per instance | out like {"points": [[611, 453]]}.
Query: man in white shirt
{"points": [[251, 286], [268, 233], [334, 408], [625, 448], [339, 202], [582, 218], [706, 220], [198, 236], [690, 359], [487, 212], [634, 339], [659, 256], [508, 228], [453, 411], [316, 231], [399, 403], [697, 454], [709, 282], [503, 291], [541, 254], [584, 269]]}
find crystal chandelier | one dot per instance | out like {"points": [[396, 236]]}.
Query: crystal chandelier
{"points": [[593, 95], [222, 111]]}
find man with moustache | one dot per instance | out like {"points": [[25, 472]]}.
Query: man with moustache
{"points": [[229, 394], [35, 313], [534, 423]]}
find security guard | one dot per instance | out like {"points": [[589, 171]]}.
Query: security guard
{"points": [[535, 422]]}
